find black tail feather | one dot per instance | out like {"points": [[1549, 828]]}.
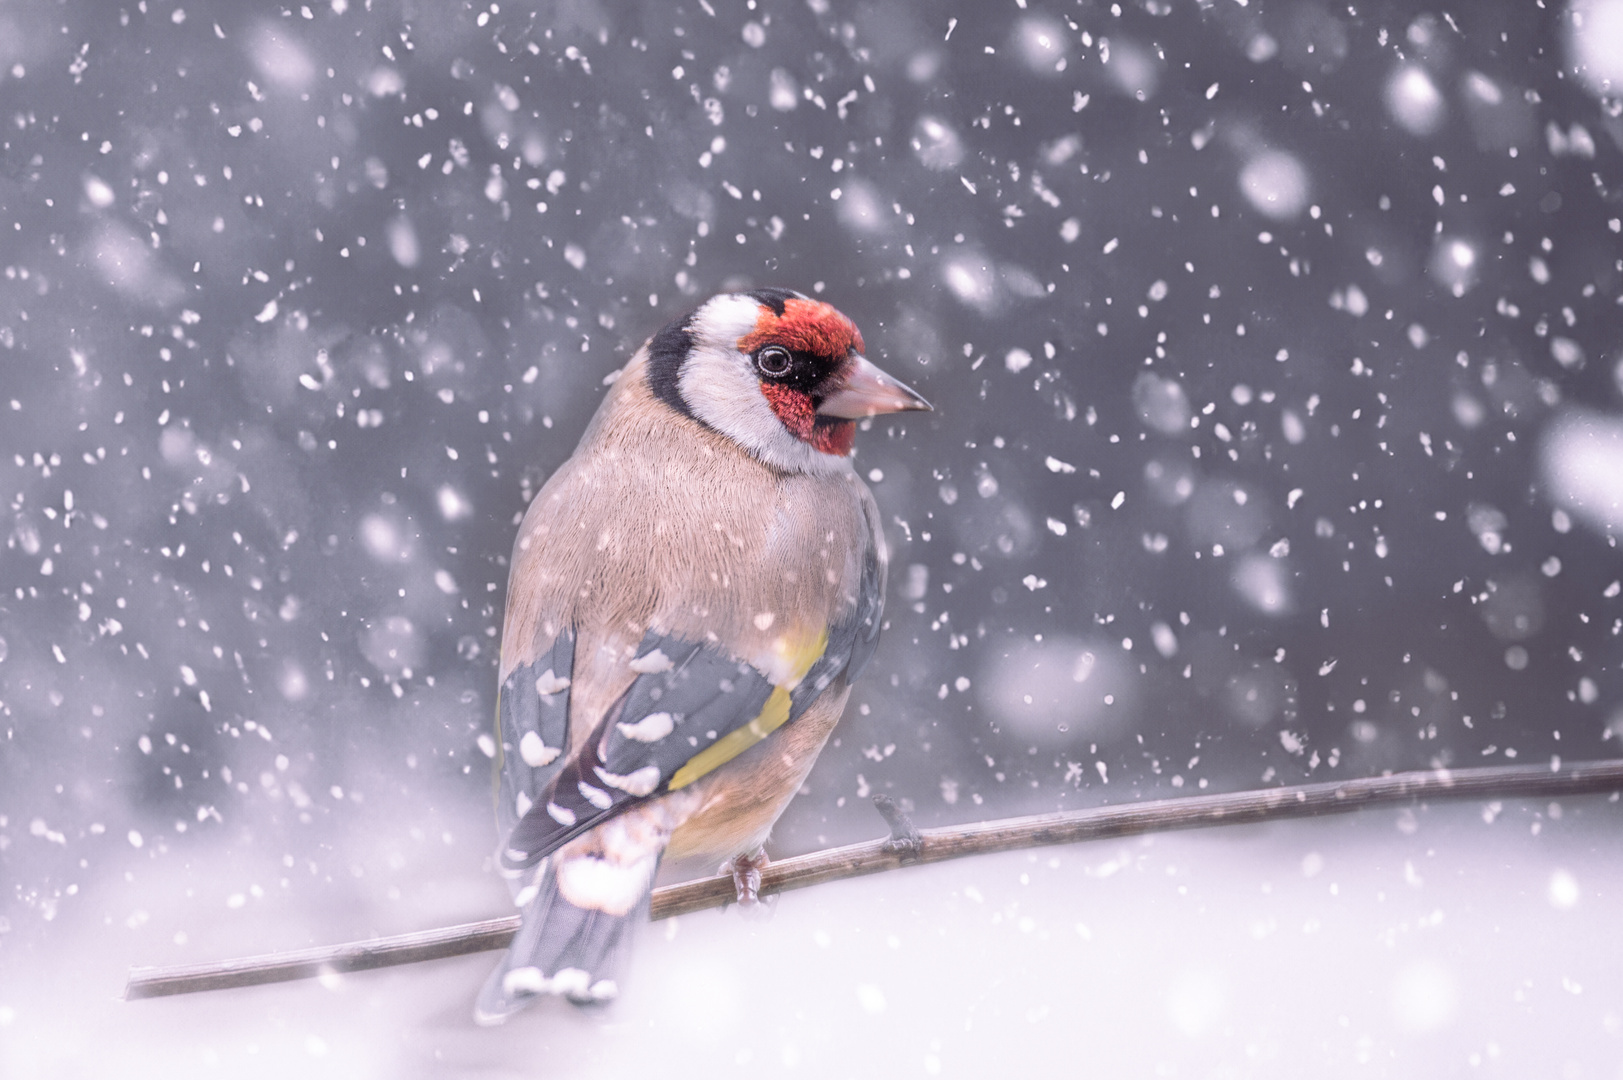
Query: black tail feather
{"points": [[560, 949]]}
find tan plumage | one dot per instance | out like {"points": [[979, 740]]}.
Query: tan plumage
{"points": [[689, 595], [719, 539]]}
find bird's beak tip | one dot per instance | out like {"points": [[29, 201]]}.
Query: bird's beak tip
{"points": [[869, 391]]}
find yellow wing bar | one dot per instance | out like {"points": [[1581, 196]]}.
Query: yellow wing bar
{"points": [[735, 742], [773, 715]]}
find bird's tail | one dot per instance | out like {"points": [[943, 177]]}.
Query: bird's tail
{"points": [[561, 948]]}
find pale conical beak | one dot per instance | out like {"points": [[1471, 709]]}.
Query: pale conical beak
{"points": [[868, 391]]}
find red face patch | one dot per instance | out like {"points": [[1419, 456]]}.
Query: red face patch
{"points": [[805, 326], [815, 328], [799, 415]]}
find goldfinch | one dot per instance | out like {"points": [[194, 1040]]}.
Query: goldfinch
{"points": [[690, 596]]}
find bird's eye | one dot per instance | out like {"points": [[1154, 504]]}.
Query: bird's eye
{"points": [[773, 361]]}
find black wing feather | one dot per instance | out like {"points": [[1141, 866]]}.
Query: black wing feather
{"points": [[526, 719], [706, 695]]}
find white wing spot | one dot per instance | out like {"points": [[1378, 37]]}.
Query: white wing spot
{"points": [[764, 620], [534, 752], [561, 814], [549, 684], [651, 728], [639, 782], [653, 663], [596, 796], [522, 804]]}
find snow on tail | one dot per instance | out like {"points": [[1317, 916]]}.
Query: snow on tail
{"points": [[571, 946]]}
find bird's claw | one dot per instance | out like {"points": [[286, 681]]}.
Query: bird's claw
{"points": [[903, 845], [905, 839], [746, 874]]}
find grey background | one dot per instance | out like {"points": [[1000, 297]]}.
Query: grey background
{"points": [[1274, 350]]}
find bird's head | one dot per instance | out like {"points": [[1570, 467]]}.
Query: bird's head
{"points": [[779, 373]]}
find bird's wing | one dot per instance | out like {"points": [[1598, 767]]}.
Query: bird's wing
{"points": [[532, 729], [867, 612], [691, 709]]}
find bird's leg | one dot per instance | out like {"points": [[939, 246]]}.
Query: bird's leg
{"points": [[746, 872], [905, 839]]}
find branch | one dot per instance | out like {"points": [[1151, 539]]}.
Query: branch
{"points": [[908, 845]]}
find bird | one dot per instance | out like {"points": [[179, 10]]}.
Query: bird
{"points": [[690, 596]]}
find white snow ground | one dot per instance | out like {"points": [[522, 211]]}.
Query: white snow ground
{"points": [[1429, 942]]}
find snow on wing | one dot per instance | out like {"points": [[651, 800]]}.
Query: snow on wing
{"points": [[532, 730]]}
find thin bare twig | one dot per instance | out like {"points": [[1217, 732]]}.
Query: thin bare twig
{"points": [[907, 845]]}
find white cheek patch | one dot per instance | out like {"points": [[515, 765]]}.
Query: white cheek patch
{"points": [[536, 753], [651, 728], [638, 782], [721, 387], [599, 885]]}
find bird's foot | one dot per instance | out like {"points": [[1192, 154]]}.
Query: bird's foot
{"points": [[905, 839], [746, 874]]}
